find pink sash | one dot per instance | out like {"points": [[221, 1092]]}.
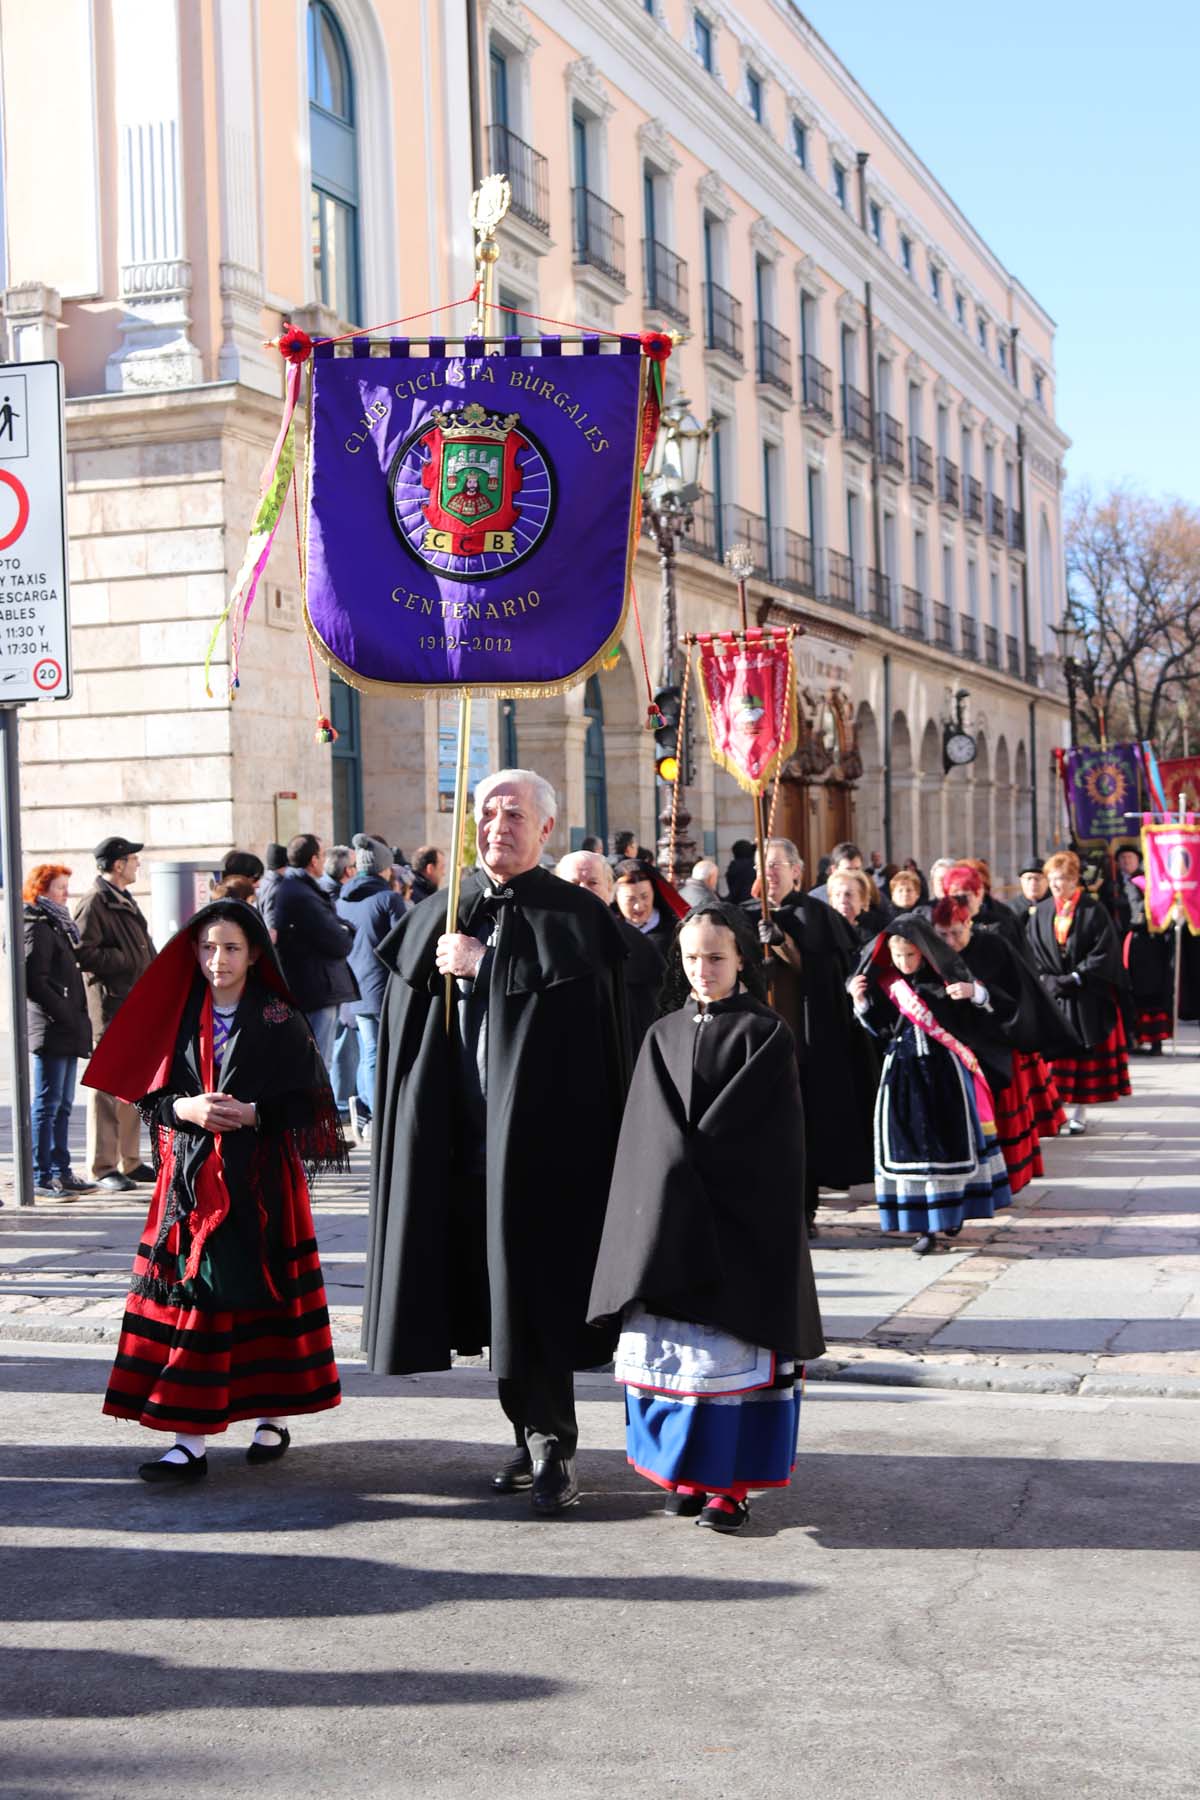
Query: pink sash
{"points": [[914, 1009]]}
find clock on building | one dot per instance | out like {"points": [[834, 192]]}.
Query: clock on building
{"points": [[958, 747]]}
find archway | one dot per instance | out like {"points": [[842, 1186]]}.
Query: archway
{"points": [[904, 792], [868, 799], [1005, 871], [929, 844], [981, 801], [1023, 807], [628, 755]]}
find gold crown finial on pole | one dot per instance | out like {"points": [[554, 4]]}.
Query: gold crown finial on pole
{"points": [[489, 203]]}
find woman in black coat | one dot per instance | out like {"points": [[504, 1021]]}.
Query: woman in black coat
{"points": [[60, 1031], [1076, 956]]}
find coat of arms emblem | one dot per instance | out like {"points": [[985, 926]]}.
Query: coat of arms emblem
{"points": [[471, 492]]}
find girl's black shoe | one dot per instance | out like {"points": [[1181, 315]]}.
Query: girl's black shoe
{"points": [[684, 1506], [260, 1453], [194, 1469], [925, 1244], [724, 1514]]}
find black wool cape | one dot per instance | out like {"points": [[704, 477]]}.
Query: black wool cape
{"points": [[705, 1222], [556, 1078], [1090, 1007]]}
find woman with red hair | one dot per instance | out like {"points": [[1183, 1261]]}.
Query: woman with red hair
{"points": [[1077, 958], [59, 1029]]}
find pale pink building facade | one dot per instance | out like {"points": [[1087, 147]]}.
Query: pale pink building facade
{"points": [[197, 171]]}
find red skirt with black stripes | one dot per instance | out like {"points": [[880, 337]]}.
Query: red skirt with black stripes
{"points": [[180, 1368], [1016, 1127], [1042, 1089], [1098, 1074]]}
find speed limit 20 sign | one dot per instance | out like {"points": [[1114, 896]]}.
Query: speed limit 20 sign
{"points": [[35, 638]]}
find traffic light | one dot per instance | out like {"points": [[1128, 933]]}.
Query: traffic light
{"points": [[666, 735]]}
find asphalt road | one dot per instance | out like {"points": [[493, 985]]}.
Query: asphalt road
{"points": [[960, 1596]]}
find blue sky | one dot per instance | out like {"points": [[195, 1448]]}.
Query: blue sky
{"points": [[1068, 131]]}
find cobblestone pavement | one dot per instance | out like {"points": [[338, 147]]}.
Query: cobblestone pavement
{"points": [[1090, 1284]]}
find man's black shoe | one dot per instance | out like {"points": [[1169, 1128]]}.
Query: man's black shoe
{"points": [[116, 1183], [515, 1476], [143, 1172], [554, 1486]]}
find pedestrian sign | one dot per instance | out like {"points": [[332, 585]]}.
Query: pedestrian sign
{"points": [[35, 639]]}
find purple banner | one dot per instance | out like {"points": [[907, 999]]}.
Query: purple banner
{"points": [[470, 518], [1102, 786]]}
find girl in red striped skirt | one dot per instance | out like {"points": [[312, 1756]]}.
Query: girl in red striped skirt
{"points": [[226, 1318]]}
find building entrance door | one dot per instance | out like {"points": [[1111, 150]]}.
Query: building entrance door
{"points": [[816, 816]]}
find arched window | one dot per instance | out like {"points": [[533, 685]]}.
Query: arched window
{"points": [[595, 782], [334, 156]]}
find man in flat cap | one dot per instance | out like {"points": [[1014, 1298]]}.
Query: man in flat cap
{"points": [[114, 950]]}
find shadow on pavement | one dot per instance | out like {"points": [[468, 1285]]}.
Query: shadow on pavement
{"points": [[104, 1684]]}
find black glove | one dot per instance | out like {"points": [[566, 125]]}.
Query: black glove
{"points": [[1059, 984], [769, 933]]}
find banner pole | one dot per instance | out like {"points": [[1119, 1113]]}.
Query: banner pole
{"points": [[458, 831], [738, 559], [1177, 977]]}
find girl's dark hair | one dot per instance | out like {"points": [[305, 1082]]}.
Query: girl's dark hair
{"points": [[676, 989]]}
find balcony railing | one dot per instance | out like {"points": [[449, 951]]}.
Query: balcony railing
{"points": [[856, 416], [722, 322], [972, 500], [741, 527], [1016, 530], [879, 597], [968, 636], [705, 536], [1033, 666], [599, 234], [773, 357], [840, 579], [792, 560], [666, 281], [891, 442], [1013, 648], [528, 175], [943, 626], [947, 481], [920, 464], [912, 612], [995, 517], [991, 646], [816, 388]]}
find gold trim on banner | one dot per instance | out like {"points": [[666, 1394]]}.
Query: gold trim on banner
{"points": [[779, 756], [547, 690]]}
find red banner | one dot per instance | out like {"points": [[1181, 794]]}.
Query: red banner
{"points": [[748, 681], [1181, 780], [1171, 856]]}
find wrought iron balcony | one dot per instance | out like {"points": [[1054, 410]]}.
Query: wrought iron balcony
{"points": [[599, 234], [972, 500], [1016, 530], [947, 481], [890, 438], [996, 517], [840, 579], [705, 535], [528, 175], [856, 416], [792, 560], [816, 388], [1013, 647], [666, 281], [912, 612], [991, 646], [943, 626], [773, 357], [879, 597], [1033, 666], [968, 636], [722, 322], [741, 527], [920, 464]]}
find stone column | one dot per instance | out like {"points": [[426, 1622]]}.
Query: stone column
{"points": [[241, 356], [32, 313], [155, 280]]}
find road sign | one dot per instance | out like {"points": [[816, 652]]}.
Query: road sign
{"points": [[35, 639]]}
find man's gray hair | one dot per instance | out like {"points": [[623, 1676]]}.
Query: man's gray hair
{"points": [[544, 797], [565, 866], [338, 860], [789, 850], [706, 870], [940, 862]]}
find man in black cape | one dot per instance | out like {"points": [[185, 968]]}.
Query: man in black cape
{"points": [[812, 956], [493, 1142]]}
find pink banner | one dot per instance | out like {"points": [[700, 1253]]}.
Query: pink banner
{"points": [[1171, 855], [1181, 781], [748, 682]]}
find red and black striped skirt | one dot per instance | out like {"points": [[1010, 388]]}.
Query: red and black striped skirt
{"points": [[1016, 1129], [1152, 1025], [179, 1368], [1098, 1074], [1042, 1090]]}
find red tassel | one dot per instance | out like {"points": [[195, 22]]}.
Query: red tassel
{"points": [[294, 345], [654, 716], [325, 734]]}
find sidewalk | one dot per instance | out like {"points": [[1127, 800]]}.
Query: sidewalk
{"points": [[1091, 1284]]}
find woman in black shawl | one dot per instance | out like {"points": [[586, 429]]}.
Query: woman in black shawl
{"points": [[1076, 956], [704, 1258], [226, 1317]]}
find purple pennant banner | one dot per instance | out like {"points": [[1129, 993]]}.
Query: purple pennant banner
{"points": [[470, 517], [1102, 787]]}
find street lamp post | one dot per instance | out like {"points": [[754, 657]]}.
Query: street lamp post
{"points": [[672, 489]]}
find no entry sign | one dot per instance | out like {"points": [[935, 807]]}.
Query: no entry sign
{"points": [[35, 637]]}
